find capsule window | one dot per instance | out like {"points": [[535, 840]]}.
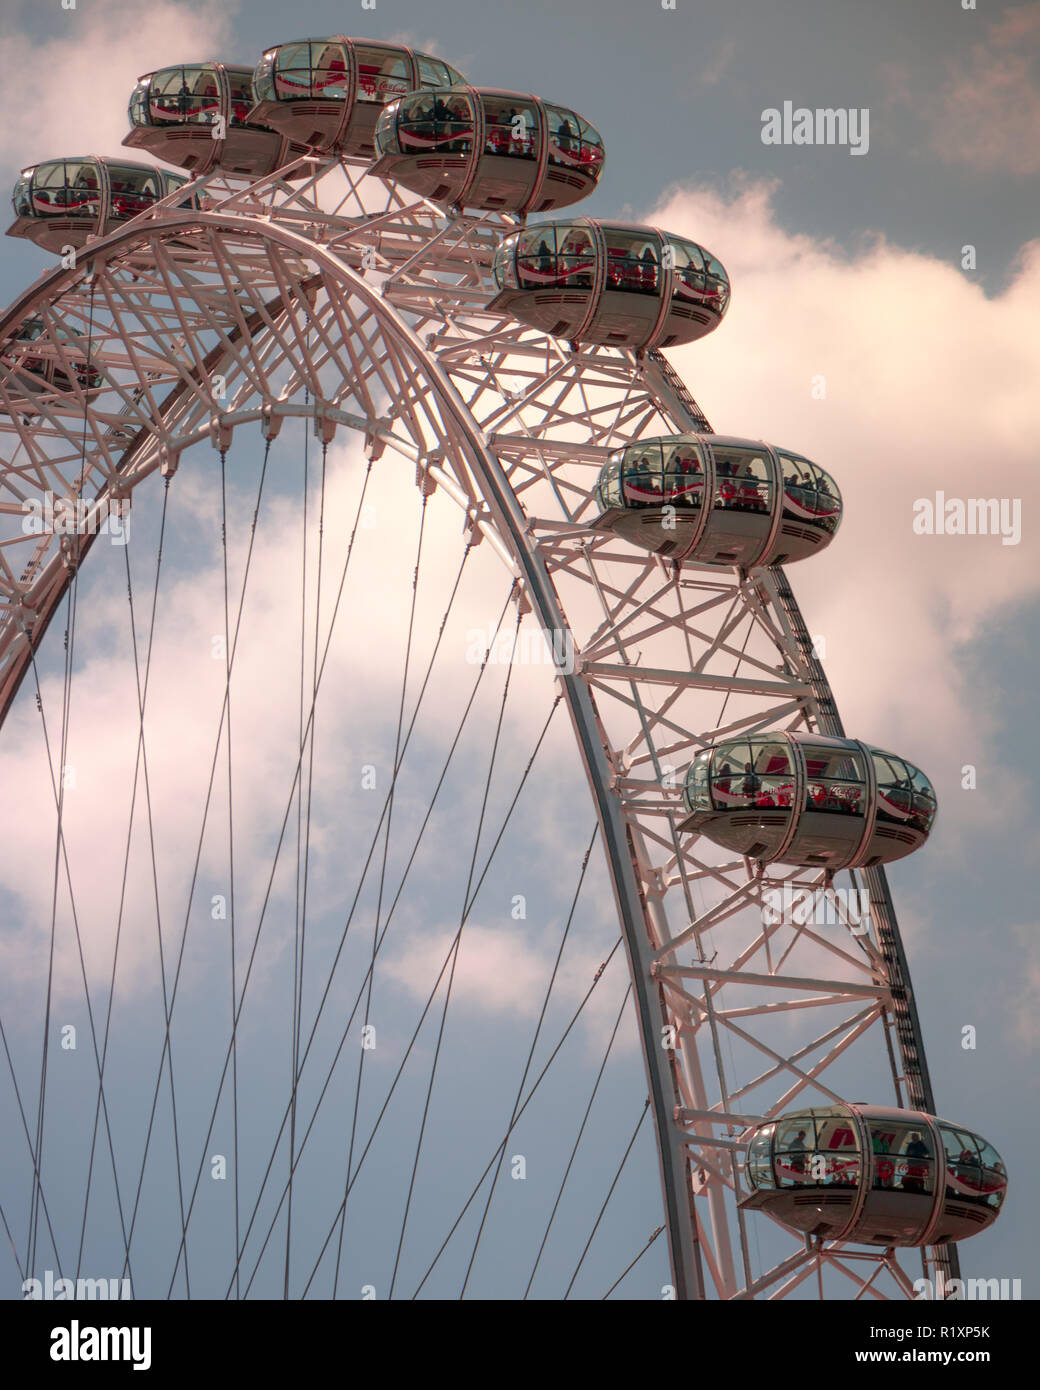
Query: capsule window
{"points": [[536, 257], [793, 1150], [742, 481], [770, 780], [759, 1166], [924, 804], [644, 475], [904, 1158], [993, 1186], [838, 1158], [22, 198], [510, 128], [690, 281], [835, 780], [683, 481], [505, 265], [576, 257], [240, 85], [571, 142], [810, 494], [432, 72], [734, 781], [969, 1177], [67, 189], [697, 792], [608, 489], [434, 121], [138, 107], [132, 190], [187, 96], [633, 262], [716, 284], [383, 73]]}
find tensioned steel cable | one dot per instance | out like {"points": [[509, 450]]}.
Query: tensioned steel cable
{"points": [[630, 1267], [577, 1141], [610, 1193], [216, 750], [142, 698], [298, 939], [270, 881], [29, 1143], [231, 839], [400, 889], [531, 1050], [10, 1241], [476, 891], [357, 894], [455, 951], [60, 849], [530, 1095], [382, 877]]}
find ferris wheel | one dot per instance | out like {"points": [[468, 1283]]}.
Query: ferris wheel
{"points": [[309, 412]]}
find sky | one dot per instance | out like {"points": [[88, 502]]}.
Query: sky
{"points": [[846, 269]]}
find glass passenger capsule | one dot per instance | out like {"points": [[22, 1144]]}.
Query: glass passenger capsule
{"points": [[176, 113], [64, 201], [716, 500], [328, 93], [27, 372], [600, 282], [800, 798], [489, 150], [874, 1175]]}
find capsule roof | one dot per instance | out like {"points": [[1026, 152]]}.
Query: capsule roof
{"points": [[327, 93]]}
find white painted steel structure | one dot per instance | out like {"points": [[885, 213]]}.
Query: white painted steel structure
{"points": [[340, 296]]}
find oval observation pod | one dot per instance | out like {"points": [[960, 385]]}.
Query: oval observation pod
{"points": [[874, 1175], [195, 116], [715, 500], [32, 367], [62, 202], [800, 798], [488, 150], [600, 282], [327, 94]]}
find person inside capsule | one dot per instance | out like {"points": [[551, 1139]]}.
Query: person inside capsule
{"points": [[684, 477], [576, 259], [572, 142], [770, 783]]}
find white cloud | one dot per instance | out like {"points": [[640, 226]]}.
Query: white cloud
{"points": [[930, 386], [68, 94]]}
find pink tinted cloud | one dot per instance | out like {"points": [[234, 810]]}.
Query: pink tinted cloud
{"points": [[58, 89], [930, 386], [986, 113]]}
